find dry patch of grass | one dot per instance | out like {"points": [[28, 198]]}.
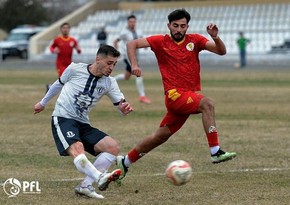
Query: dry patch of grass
{"points": [[252, 111]]}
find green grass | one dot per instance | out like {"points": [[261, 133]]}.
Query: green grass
{"points": [[252, 114]]}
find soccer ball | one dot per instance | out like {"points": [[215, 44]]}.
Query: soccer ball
{"points": [[179, 172]]}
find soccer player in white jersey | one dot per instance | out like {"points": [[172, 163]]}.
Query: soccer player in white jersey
{"points": [[81, 86], [128, 34]]}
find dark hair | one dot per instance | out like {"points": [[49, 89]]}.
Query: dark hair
{"points": [[64, 24], [107, 50], [178, 14], [132, 16]]}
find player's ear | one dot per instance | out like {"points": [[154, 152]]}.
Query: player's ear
{"points": [[98, 58]]}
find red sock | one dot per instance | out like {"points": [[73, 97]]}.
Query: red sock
{"points": [[134, 155], [212, 139]]}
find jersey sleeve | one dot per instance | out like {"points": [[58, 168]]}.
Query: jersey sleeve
{"points": [[66, 75], [75, 43], [53, 45], [114, 92], [76, 46], [201, 41], [154, 41]]}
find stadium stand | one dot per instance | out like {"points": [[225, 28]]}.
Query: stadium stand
{"points": [[266, 24]]}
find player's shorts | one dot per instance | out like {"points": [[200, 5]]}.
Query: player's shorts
{"points": [[180, 104], [128, 66], [68, 131]]}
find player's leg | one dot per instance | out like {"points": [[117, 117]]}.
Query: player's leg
{"points": [[141, 90], [147, 144], [192, 103], [67, 138], [206, 107], [170, 124], [127, 74], [139, 83], [106, 149]]}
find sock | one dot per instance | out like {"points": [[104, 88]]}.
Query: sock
{"points": [[102, 163], [86, 167], [127, 161], [213, 142], [214, 150], [133, 155], [120, 77], [140, 86]]}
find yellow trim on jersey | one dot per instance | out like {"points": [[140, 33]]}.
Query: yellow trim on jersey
{"points": [[65, 38]]}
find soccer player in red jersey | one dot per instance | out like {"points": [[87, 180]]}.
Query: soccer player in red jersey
{"points": [[178, 61], [63, 46]]}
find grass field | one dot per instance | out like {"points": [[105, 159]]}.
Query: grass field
{"points": [[252, 114]]}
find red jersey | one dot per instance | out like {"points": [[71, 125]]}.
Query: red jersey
{"points": [[178, 62], [65, 46]]}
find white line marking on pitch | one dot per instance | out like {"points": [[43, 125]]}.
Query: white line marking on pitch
{"points": [[201, 172]]}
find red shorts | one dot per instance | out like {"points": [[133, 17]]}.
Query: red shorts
{"points": [[60, 69], [180, 104]]}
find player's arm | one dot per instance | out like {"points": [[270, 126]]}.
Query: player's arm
{"points": [[115, 43], [54, 89], [132, 46], [118, 99], [77, 47], [124, 107], [217, 45], [53, 47]]}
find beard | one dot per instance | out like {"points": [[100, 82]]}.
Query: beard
{"points": [[177, 37]]}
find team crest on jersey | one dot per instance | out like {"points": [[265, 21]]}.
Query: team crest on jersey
{"points": [[71, 44], [190, 46], [82, 102], [100, 89]]}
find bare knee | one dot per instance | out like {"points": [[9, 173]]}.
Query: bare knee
{"points": [[206, 105], [76, 149], [108, 144]]}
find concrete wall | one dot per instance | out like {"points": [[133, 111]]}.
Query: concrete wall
{"points": [[3, 34]]}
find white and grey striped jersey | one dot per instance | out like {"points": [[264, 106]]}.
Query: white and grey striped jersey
{"points": [[125, 36], [82, 90]]}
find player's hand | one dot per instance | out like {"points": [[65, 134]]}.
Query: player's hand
{"points": [[212, 30], [56, 50], [38, 108], [136, 71], [79, 51], [125, 107]]}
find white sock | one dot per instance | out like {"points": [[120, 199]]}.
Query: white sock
{"points": [[120, 77], [102, 163], [86, 167], [140, 86], [127, 161], [214, 149]]}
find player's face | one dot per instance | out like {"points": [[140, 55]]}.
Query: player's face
{"points": [[178, 29], [132, 23], [65, 30], [106, 64]]}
